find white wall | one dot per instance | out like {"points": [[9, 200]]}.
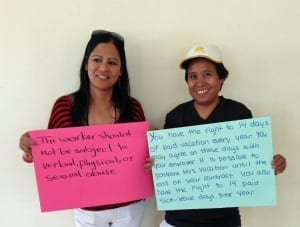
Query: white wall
{"points": [[41, 45]]}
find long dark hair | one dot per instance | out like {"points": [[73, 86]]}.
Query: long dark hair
{"points": [[121, 90]]}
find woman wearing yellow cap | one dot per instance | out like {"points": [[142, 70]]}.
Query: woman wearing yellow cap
{"points": [[205, 75]]}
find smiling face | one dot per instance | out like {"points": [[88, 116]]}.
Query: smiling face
{"points": [[203, 82], [104, 67]]}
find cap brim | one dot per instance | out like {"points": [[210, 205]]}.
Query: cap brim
{"points": [[183, 62]]}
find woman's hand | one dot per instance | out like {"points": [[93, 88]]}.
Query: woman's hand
{"points": [[148, 164], [279, 163], [25, 144]]}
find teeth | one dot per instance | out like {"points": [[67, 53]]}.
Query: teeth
{"points": [[202, 91], [102, 77]]}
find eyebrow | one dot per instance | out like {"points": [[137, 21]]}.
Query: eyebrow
{"points": [[203, 71], [110, 58]]}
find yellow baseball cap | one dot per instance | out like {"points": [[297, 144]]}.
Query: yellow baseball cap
{"points": [[210, 52]]}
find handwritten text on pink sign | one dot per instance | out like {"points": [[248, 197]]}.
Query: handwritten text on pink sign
{"points": [[91, 166]]}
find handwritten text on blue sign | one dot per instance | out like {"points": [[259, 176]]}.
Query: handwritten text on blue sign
{"points": [[214, 165]]}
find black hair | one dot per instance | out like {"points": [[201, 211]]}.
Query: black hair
{"points": [[121, 90]]}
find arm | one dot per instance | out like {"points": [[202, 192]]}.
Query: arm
{"points": [[60, 117]]}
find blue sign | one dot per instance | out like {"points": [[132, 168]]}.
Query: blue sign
{"points": [[216, 165]]}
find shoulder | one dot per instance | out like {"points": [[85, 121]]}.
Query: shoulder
{"points": [[180, 115], [230, 103], [66, 99], [133, 101], [180, 109], [64, 102], [235, 108], [136, 110], [61, 114]]}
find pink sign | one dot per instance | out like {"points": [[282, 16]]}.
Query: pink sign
{"points": [[91, 166]]}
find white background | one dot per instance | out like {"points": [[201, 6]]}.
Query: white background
{"points": [[42, 44]]}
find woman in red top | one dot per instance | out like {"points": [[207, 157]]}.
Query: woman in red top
{"points": [[102, 98]]}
